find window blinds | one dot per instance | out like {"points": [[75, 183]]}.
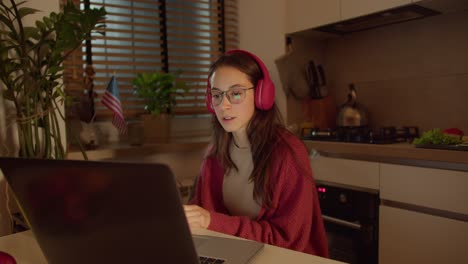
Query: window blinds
{"points": [[149, 35]]}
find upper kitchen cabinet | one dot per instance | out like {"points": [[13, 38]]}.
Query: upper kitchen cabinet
{"points": [[306, 14], [355, 8]]}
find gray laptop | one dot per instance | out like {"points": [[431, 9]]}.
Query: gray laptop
{"points": [[108, 212]]}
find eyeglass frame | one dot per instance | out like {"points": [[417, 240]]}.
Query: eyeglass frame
{"points": [[225, 94]]}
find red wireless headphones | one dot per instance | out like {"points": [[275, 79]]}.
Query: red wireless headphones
{"points": [[264, 91]]}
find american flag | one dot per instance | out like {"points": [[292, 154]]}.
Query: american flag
{"points": [[112, 101]]}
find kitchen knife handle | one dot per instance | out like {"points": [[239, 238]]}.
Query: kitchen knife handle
{"points": [[322, 74], [314, 83], [313, 73]]}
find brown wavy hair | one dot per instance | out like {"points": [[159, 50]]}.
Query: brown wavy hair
{"points": [[263, 131]]}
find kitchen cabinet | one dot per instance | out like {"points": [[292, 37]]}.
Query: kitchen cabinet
{"points": [[427, 187], [355, 8], [306, 14], [423, 215], [423, 212], [355, 173], [412, 237]]}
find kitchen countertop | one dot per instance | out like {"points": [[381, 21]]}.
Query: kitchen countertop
{"points": [[116, 151], [400, 153]]}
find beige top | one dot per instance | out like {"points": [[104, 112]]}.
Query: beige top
{"points": [[237, 189]]}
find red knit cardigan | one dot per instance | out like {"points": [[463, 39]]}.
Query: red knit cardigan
{"points": [[294, 220]]}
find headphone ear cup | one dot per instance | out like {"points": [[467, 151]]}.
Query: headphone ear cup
{"points": [[258, 94], [208, 100], [264, 94], [267, 95], [209, 105]]}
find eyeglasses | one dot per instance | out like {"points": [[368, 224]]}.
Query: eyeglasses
{"points": [[234, 96]]}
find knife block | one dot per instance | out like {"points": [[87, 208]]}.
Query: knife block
{"points": [[320, 113]]}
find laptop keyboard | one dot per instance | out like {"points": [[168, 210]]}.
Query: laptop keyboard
{"points": [[206, 260]]}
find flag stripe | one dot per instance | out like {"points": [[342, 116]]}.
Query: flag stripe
{"points": [[111, 100], [109, 96], [119, 123], [115, 108]]}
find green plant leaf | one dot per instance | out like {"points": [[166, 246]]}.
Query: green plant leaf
{"points": [[55, 69], [31, 32], [24, 11], [31, 65], [47, 22], [158, 89], [40, 25], [7, 23], [20, 3]]}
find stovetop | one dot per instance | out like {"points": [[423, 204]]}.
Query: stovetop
{"points": [[363, 134]]}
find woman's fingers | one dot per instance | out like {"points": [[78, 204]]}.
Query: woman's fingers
{"points": [[192, 214], [194, 223], [197, 217], [191, 207]]}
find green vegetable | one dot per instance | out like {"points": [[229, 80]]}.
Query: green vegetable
{"points": [[436, 137]]}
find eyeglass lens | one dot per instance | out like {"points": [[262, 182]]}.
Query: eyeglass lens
{"points": [[234, 96]]}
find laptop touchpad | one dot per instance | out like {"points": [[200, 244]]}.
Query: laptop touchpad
{"points": [[198, 241]]}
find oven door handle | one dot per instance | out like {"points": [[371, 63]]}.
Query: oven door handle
{"points": [[341, 222]]}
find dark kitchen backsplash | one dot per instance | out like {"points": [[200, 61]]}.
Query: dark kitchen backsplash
{"points": [[410, 74]]}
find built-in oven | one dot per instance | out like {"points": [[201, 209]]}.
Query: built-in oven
{"points": [[351, 222]]}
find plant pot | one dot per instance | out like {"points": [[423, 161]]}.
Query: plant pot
{"points": [[156, 128], [135, 133]]}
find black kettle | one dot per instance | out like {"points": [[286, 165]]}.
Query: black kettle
{"points": [[351, 113]]}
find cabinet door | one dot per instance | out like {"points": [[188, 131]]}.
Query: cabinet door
{"points": [[355, 8], [306, 14], [412, 237], [432, 188], [357, 173]]}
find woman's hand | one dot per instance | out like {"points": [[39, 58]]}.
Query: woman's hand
{"points": [[197, 217]]}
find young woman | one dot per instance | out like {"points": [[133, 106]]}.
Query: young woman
{"points": [[255, 181]]}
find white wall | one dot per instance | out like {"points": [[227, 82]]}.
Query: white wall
{"points": [[8, 140], [7, 132], [406, 74], [4, 149], [262, 31]]}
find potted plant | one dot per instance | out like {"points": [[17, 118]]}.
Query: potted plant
{"points": [[159, 90], [31, 70]]}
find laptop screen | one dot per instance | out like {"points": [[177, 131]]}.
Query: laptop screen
{"points": [[101, 212]]}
